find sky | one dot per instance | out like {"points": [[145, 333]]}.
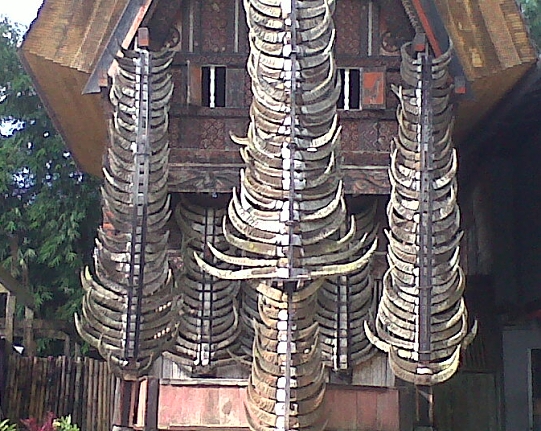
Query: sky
{"points": [[21, 11]]}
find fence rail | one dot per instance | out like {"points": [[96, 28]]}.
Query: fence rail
{"points": [[81, 387]]}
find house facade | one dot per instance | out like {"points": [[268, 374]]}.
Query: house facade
{"points": [[70, 52]]}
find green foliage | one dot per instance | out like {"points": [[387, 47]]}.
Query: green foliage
{"points": [[48, 209], [64, 424], [6, 425], [532, 11]]}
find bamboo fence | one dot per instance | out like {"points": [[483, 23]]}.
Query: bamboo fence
{"points": [[81, 387]]}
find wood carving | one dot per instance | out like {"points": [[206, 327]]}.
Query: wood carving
{"points": [[129, 311], [422, 320]]}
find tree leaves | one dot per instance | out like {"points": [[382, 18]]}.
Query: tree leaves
{"points": [[49, 210], [532, 11]]}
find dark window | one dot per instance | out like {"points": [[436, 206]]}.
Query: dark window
{"points": [[213, 86], [350, 94]]}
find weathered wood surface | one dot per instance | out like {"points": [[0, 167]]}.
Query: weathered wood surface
{"points": [[82, 388], [188, 406]]}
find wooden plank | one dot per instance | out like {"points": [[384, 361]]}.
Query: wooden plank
{"points": [[34, 392], [388, 410], [62, 387], [367, 410], [77, 398], [53, 380], [9, 319], [174, 410], [235, 95], [99, 397], [231, 407], [28, 337], [151, 410], [194, 84], [373, 89], [87, 399], [11, 387], [42, 367], [342, 408]]}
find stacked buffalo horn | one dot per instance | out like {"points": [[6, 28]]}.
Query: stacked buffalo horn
{"points": [[289, 206], [208, 306], [345, 302], [422, 320], [129, 311]]}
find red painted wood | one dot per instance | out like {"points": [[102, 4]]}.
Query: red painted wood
{"points": [[367, 401], [351, 408], [387, 411], [342, 408]]}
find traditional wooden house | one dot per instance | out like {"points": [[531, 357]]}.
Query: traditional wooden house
{"points": [[72, 53]]}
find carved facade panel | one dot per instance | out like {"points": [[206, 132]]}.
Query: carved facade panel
{"points": [[212, 133], [348, 18], [395, 28], [215, 15]]}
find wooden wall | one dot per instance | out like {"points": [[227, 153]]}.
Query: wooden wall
{"points": [[82, 388], [220, 404]]}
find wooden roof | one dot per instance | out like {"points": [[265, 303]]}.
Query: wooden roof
{"points": [[60, 52], [70, 37], [492, 42]]}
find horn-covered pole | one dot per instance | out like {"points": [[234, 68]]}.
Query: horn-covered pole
{"points": [[285, 219], [422, 322], [128, 310]]}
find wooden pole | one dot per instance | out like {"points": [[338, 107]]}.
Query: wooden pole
{"points": [[152, 398], [122, 405], [424, 403], [10, 319], [28, 338]]}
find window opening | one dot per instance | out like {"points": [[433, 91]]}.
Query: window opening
{"points": [[213, 86], [350, 94]]}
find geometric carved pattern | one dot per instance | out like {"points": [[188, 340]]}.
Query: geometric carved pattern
{"points": [[348, 35], [214, 16]]}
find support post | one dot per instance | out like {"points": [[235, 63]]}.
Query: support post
{"points": [[28, 335], [122, 405], [10, 320], [152, 403], [424, 394], [424, 403]]}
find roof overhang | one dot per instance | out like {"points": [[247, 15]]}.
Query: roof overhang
{"points": [[67, 52]]}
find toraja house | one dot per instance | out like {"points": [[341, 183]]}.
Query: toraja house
{"points": [[317, 214]]}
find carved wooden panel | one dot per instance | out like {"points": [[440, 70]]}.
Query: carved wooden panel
{"points": [[366, 135], [208, 177], [235, 88], [348, 23], [394, 27], [215, 15]]}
